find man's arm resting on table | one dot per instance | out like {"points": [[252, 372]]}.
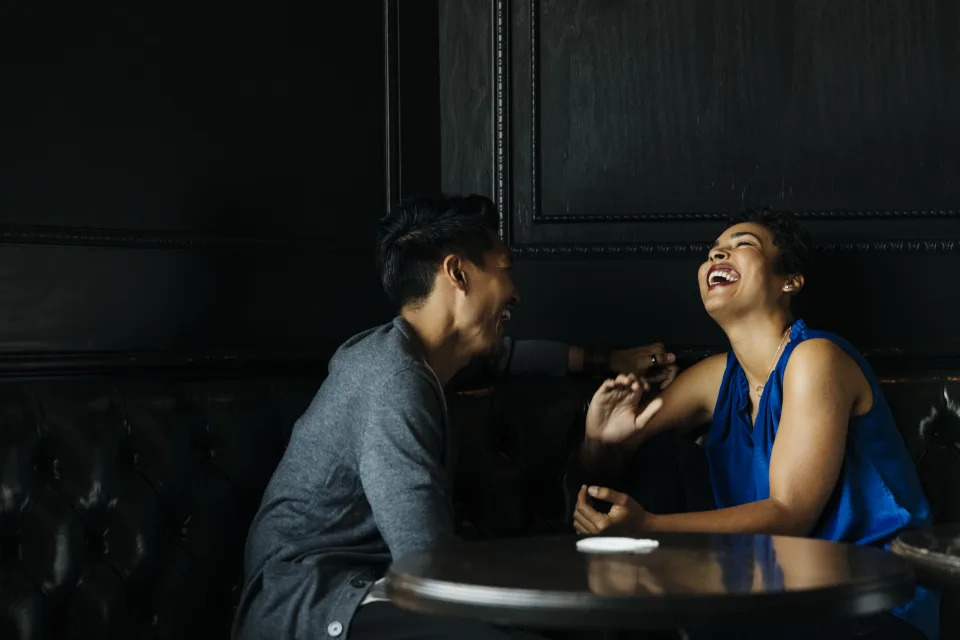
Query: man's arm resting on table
{"points": [[401, 465]]}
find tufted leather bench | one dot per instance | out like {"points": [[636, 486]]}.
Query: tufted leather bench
{"points": [[125, 500], [927, 409], [125, 503]]}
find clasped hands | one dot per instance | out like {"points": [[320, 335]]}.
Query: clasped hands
{"points": [[615, 417], [651, 361], [626, 517]]}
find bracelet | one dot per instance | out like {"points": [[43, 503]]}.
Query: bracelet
{"points": [[596, 360]]}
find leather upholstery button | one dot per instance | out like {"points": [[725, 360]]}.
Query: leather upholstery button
{"points": [[359, 583], [335, 629]]}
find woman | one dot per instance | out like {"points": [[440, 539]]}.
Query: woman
{"points": [[801, 441]]}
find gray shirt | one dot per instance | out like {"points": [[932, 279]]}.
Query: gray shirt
{"points": [[366, 478]]}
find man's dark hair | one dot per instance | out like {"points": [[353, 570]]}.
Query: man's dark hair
{"points": [[796, 248], [414, 238]]}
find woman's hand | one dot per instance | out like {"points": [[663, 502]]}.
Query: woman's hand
{"points": [[649, 361], [614, 414], [626, 516]]}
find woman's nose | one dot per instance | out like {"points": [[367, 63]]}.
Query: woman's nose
{"points": [[718, 254]]}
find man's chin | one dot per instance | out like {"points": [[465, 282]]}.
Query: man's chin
{"points": [[494, 345]]}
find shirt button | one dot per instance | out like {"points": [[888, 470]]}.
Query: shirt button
{"points": [[335, 629]]}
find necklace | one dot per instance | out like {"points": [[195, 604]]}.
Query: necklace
{"points": [[773, 363]]}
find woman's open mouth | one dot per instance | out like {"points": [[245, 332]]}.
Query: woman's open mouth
{"points": [[721, 275]]}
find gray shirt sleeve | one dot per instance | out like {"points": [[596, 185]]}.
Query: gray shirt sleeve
{"points": [[402, 470], [530, 357]]}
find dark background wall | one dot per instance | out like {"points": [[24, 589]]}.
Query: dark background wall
{"points": [[189, 177], [204, 178], [616, 136]]}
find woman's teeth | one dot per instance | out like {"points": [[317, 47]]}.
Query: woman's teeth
{"points": [[723, 276]]}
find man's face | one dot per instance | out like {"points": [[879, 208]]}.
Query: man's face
{"points": [[489, 300], [739, 273]]}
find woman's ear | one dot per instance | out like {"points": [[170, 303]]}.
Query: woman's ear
{"points": [[794, 284]]}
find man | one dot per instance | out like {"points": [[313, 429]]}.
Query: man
{"points": [[365, 477]]}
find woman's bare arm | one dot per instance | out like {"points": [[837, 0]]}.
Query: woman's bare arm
{"points": [[822, 387], [611, 439]]}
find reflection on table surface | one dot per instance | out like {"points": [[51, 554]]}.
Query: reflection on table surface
{"points": [[548, 582], [682, 564], [757, 565]]}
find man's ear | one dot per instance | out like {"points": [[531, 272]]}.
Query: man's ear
{"points": [[794, 284], [452, 270]]}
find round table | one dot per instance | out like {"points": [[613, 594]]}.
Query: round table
{"points": [[934, 553], [689, 580]]}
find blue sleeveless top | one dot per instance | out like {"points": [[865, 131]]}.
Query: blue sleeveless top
{"points": [[878, 492]]}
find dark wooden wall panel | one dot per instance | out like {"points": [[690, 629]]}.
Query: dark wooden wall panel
{"points": [[466, 96], [691, 106], [189, 178], [59, 299], [881, 301], [630, 130]]}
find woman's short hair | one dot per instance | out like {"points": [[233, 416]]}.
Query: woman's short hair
{"points": [[795, 245]]}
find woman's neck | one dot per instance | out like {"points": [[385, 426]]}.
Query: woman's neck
{"points": [[757, 341]]}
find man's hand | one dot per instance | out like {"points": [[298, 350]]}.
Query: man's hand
{"points": [[649, 361], [626, 516], [614, 414]]}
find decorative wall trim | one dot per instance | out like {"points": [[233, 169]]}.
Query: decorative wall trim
{"points": [[154, 239], [184, 366], [892, 246], [904, 361], [535, 110], [849, 215], [17, 365], [538, 217], [699, 249], [611, 250], [655, 216], [501, 113], [391, 131]]}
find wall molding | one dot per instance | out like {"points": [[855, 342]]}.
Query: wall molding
{"points": [[64, 236], [502, 146], [699, 249], [656, 216], [501, 114], [17, 365], [185, 366], [391, 125]]}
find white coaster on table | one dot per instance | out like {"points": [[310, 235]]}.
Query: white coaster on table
{"points": [[605, 544]]}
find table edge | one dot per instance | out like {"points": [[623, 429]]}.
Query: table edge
{"points": [[527, 606]]}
